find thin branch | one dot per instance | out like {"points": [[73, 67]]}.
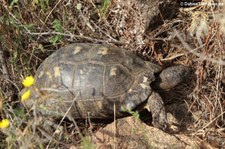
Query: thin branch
{"points": [[3, 64], [200, 55], [49, 15], [67, 115], [172, 57], [72, 36]]}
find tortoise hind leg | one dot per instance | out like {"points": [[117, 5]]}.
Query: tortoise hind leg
{"points": [[156, 107]]}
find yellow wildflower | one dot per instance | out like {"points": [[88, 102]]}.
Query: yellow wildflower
{"points": [[28, 81], [25, 95], [4, 123]]}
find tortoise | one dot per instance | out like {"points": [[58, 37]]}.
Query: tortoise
{"points": [[87, 80]]}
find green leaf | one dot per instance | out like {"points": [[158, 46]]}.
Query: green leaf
{"points": [[55, 39], [20, 112], [104, 8], [87, 144], [57, 25], [14, 2]]}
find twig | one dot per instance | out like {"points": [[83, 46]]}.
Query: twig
{"points": [[221, 114], [65, 115], [10, 81], [3, 64], [200, 55], [49, 137], [49, 15], [72, 36], [172, 57]]}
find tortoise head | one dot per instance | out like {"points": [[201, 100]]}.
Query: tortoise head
{"points": [[171, 77]]}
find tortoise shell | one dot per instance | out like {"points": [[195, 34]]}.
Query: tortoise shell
{"points": [[87, 80]]}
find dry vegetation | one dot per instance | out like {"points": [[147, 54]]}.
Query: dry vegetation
{"points": [[31, 31]]}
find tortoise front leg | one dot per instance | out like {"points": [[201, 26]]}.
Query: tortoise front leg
{"points": [[156, 107]]}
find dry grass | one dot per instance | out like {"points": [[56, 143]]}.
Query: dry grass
{"points": [[195, 37]]}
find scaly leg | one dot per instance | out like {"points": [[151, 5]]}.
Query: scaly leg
{"points": [[156, 107]]}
